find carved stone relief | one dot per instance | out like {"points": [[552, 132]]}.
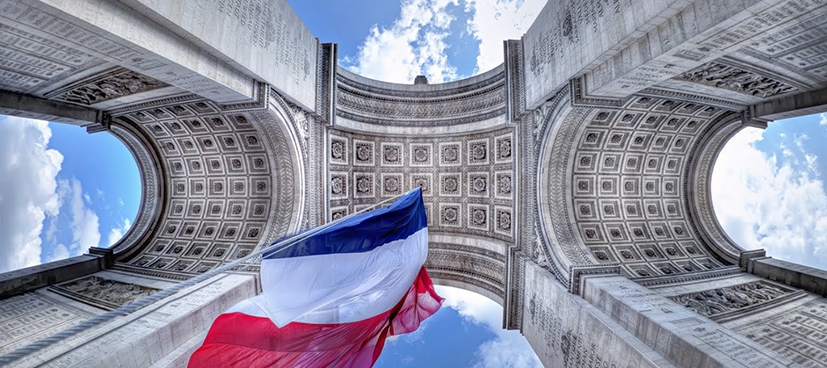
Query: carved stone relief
{"points": [[715, 302], [113, 83], [719, 75], [101, 292]]}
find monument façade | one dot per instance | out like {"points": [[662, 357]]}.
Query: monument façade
{"points": [[571, 184]]}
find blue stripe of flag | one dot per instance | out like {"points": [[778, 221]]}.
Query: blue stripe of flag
{"points": [[364, 232]]}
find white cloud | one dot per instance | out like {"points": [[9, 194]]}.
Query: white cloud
{"points": [[508, 349], [414, 44], [495, 21], [823, 120], [772, 203], [84, 222], [58, 252], [416, 41], [27, 189], [116, 234]]}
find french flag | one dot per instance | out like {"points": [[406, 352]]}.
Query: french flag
{"points": [[333, 298]]}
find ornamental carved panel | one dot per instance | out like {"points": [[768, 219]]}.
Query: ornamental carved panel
{"points": [[721, 301], [114, 83], [218, 168], [104, 293], [719, 75], [467, 181]]}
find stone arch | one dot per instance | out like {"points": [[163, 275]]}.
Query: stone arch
{"points": [[224, 182], [468, 262], [699, 200], [153, 192], [616, 186], [452, 139]]}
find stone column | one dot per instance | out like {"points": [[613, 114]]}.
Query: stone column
{"points": [[162, 334], [566, 331]]}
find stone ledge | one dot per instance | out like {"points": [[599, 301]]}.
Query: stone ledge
{"points": [[792, 274], [35, 277]]}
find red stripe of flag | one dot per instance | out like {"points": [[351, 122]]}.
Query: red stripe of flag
{"points": [[241, 340]]}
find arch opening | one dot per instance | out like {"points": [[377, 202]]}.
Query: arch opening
{"points": [[768, 192], [63, 191], [467, 331]]}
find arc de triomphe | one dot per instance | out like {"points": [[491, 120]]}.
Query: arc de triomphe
{"points": [[570, 184]]}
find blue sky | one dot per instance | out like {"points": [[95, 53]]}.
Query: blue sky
{"points": [[768, 190], [62, 190]]}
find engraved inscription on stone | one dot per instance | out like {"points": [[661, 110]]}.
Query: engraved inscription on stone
{"points": [[104, 292], [268, 24], [26, 316], [27, 60], [799, 335], [729, 299]]}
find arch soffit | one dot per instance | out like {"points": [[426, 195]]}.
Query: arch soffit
{"points": [[224, 178], [464, 161], [699, 196], [468, 262], [616, 184]]}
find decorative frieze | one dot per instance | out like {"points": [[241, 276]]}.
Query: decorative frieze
{"points": [[717, 302], [113, 83], [376, 104], [105, 293], [719, 75]]}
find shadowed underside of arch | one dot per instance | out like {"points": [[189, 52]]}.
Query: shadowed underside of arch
{"points": [[454, 141], [222, 180], [619, 186], [472, 263]]}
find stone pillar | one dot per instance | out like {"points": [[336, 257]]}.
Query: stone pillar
{"points": [[682, 336], [566, 331], [162, 334]]}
